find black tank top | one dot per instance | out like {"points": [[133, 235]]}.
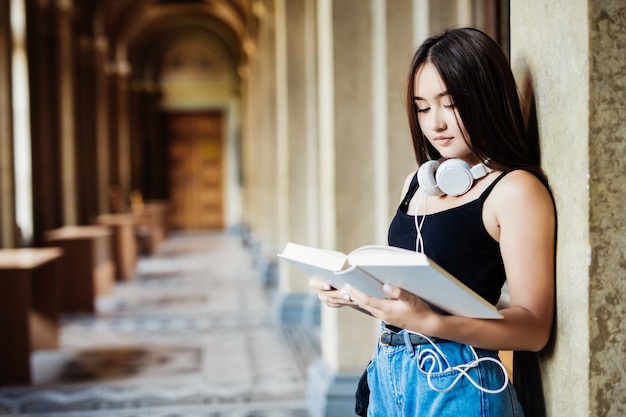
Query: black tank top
{"points": [[457, 240]]}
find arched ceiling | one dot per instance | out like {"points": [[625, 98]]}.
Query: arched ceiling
{"points": [[132, 26], [155, 38]]}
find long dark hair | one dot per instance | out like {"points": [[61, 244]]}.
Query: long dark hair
{"points": [[478, 77]]}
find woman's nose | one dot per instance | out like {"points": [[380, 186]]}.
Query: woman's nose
{"points": [[437, 121]]}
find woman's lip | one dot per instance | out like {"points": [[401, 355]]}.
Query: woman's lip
{"points": [[443, 140]]}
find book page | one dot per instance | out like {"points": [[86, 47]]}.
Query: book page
{"points": [[338, 279], [386, 255], [322, 258]]}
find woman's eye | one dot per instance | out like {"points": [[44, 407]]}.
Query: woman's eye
{"points": [[424, 110], [448, 106]]}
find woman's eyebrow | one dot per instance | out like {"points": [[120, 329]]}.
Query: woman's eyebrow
{"points": [[442, 94]]}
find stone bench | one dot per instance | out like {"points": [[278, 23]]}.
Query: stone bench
{"points": [[123, 243], [152, 218], [30, 298], [87, 265]]}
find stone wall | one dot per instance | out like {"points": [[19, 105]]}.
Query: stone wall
{"points": [[572, 54]]}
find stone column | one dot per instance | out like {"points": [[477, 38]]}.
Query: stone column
{"points": [[67, 117], [43, 66], [443, 14], [296, 18], [265, 143], [7, 190], [119, 128], [405, 31], [464, 12], [101, 120], [358, 99], [51, 67], [572, 54], [260, 139], [92, 127], [53, 117]]}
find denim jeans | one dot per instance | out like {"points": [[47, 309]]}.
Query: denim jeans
{"points": [[406, 381]]}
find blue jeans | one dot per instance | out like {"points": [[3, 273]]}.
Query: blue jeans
{"points": [[412, 381]]}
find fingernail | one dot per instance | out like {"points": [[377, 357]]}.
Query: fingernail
{"points": [[326, 287], [387, 287], [347, 297]]}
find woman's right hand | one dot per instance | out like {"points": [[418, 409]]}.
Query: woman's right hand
{"points": [[330, 296]]}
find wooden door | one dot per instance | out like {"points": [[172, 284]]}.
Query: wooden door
{"points": [[195, 164]]}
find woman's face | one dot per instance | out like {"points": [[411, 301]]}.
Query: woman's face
{"points": [[438, 117]]}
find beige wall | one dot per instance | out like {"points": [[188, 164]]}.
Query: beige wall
{"points": [[577, 63]]}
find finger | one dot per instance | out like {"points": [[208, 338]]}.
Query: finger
{"points": [[318, 284], [394, 293], [359, 298], [334, 299], [398, 294], [354, 294], [329, 297]]}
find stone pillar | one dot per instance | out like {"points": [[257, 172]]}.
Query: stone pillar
{"points": [[260, 141], [53, 117], [294, 302], [119, 142], [421, 21], [355, 41], [405, 31], [464, 12], [572, 55], [92, 127], [102, 128], [444, 14], [146, 124], [264, 146], [7, 190], [43, 66], [51, 68], [492, 17], [63, 15]]}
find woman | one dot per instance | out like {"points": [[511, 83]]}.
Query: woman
{"points": [[494, 222]]}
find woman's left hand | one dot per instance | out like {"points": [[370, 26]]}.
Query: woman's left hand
{"points": [[400, 308]]}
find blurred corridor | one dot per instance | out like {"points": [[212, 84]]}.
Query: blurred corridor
{"points": [[192, 334]]}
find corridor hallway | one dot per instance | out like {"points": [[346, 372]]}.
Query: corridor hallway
{"points": [[192, 334]]}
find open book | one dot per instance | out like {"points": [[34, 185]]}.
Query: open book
{"points": [[369, 267]]}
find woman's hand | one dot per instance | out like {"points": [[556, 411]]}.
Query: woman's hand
{"points": [[330, 296], [400, 308]]}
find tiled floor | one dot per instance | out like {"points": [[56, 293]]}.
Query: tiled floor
{"points": [[191, 335]]}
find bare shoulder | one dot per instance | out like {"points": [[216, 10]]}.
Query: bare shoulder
{"points": [[521, 191], [522, 185], [519, 205]]}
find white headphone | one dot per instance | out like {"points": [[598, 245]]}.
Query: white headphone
{"points": [[453, 177]]}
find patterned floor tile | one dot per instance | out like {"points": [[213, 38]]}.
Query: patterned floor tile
{"points": [[191, 335]]}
